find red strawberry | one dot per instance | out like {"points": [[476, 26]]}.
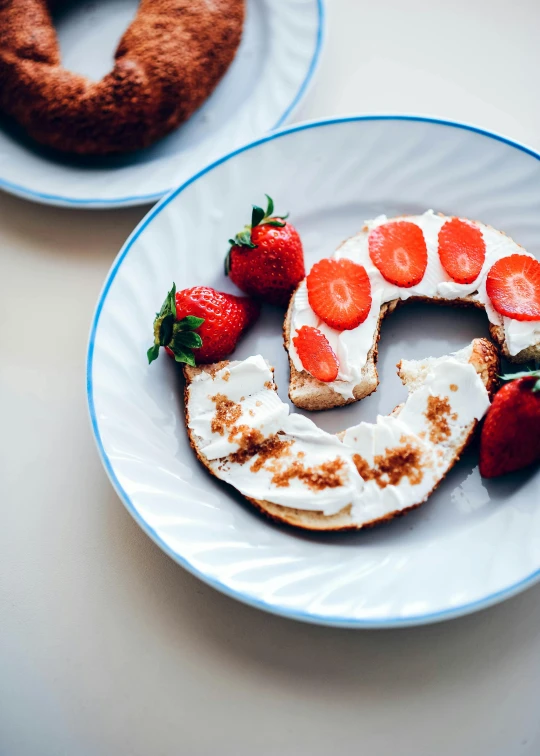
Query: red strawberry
{"points": [[266, 259], [399, 251], [316, 354], [510, 436], [201, 319], [462, 250], [339, 292], [513, 285]]}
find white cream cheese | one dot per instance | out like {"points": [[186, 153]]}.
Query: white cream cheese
{"points": [[378, 468], [352, 347], [248, 385]]}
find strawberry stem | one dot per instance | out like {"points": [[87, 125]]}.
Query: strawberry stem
{"points": [[524, 374], [178, 335], [259, 217]]}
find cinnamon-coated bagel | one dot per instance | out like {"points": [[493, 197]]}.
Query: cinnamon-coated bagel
{"points": [[167, 63]]}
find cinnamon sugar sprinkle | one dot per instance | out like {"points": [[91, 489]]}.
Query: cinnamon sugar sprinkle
{"points": [[389, 468], [317, 478], [272, 448], [270, 452], [453, 387], [252, 443], [438, 412], [227, 413]]}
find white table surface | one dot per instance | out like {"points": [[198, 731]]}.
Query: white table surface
{"points": [[107, 647]]}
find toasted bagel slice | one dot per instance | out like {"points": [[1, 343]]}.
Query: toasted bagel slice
{"points": [[356, 349], [298, 474]]}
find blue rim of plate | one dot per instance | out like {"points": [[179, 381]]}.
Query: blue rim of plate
{"points": [[302, 616], [141, 199]]}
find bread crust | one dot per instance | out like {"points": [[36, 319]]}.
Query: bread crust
{"points": [[484, 358], [167, 63]]}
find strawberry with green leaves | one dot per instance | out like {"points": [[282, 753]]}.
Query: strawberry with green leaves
{"points": [[510, 438], [266, 259], [201, 325]]}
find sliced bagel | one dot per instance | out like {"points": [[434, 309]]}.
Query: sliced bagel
{"points": [[167, 63], [307, 392], [300, 475]]}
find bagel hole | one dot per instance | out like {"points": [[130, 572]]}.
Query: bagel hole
{"points": [[89, 32], [416, 330]]}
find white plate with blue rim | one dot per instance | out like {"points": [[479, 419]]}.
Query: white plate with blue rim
{"points": [[474, 542], [274, 65]]}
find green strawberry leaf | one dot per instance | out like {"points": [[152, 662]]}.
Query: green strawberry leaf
{"points": [[187, 339], [169, 305], [178, 335], [153, 353], [184, 355], [244, 238], [257, 215], [522, 374], [172, 300], [166, 329], [189, 323]]}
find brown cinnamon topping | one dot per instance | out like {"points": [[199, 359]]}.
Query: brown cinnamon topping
{"points": [[453, 387], [249, 443], [269, 385], [252, 443], [389, 468], [272, 448], [438, 412], [226, 375], [317, 478], [227, 413]]}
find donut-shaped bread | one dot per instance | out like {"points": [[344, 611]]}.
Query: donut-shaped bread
{"points": [[167, 63]]}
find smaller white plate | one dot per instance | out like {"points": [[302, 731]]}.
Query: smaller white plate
{"points": [[276, 60]]}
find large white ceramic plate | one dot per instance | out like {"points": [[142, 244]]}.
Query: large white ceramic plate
{"points": [[275, 63], [475, 541]]}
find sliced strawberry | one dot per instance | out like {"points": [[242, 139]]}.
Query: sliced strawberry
{"points": [[513, 285], [316, 354], [399, 251], [462, 250], [339, 292]]}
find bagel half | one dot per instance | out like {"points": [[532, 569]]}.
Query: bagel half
{"points": [[167, 63], [307, 392], [251, 442]]}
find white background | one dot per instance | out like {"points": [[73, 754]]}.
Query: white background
{"points": [[106, 645]]}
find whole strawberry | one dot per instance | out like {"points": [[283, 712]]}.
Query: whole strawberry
{"points": [[266, 259], [201, 325], [510, 437]]}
